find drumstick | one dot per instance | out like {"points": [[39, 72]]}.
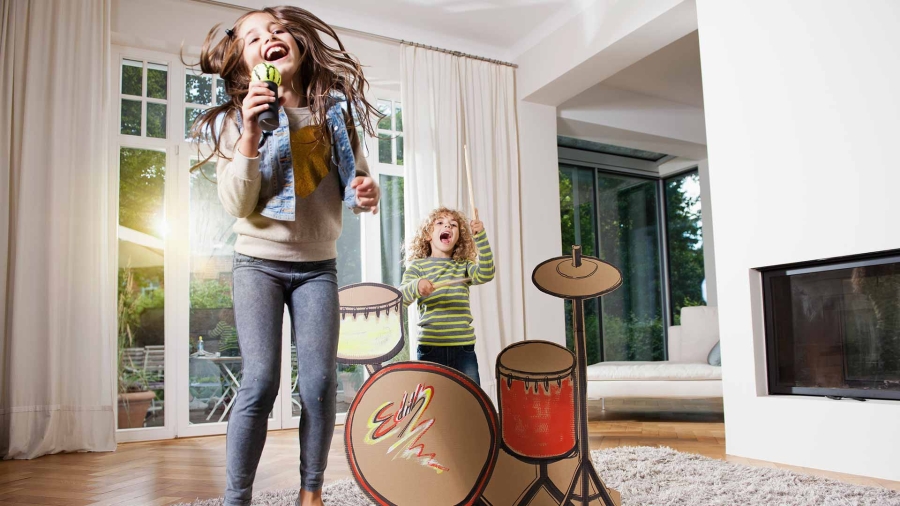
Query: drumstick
{"points": [[449, 282], [469, 179]]}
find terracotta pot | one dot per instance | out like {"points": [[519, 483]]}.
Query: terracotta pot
{"points": [[133, 407]]}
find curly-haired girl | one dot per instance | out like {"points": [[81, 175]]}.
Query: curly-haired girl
{"points": [[286, 189], [441, 265]]}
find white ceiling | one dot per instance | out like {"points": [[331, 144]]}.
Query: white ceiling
{"points": [[672, 73], [497, 28], [494, 22], [655, 104]]}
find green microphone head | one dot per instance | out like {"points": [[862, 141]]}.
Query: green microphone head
{"points": [[266, 72]]}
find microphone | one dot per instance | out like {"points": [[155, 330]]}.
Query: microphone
{"points": [[267, 73]]}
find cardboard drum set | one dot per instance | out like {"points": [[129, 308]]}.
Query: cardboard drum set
{"points": [[419, 433]]}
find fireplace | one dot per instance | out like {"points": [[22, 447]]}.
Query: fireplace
{"points": [[833, 327]]}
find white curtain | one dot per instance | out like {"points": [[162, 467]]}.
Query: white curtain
{"points": [[449, 101], [57, 390]]}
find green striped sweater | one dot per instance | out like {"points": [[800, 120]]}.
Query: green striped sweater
{"points": [[444, 316]]}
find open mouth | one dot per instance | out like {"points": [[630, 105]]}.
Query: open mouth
{"points": [[276, 52], [445, 237]]}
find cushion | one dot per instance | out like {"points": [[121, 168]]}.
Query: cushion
{"points": [[699, 332], [652, 371], [715, 356]]}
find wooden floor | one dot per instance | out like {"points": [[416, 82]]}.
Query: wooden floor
{"points": [[181, 470]]}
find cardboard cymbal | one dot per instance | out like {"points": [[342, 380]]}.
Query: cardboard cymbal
{"points": [[576, 277]]}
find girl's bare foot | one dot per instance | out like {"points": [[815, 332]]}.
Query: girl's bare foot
{"points": [[308, 498]]}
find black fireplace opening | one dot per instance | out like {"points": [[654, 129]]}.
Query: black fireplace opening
{"points": [[833, 327]]}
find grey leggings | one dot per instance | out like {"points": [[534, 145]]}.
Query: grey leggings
{"points": [[261, 290]]}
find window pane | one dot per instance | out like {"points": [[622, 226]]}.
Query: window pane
{"points": [[132, 78], [350, 379], [141, 336], [157, 80], [392, 231], [384, 148], [684, 230], [198, 89], [384, 107], [156, 120], [629, 239], [576, 191], [400, 150], [392, 242], [190, 114], [349, 258], [348, 250], [131, 117], [214, 357], [221, 96], [142, 179], [398, 118], [141, 370], [624, 230]]}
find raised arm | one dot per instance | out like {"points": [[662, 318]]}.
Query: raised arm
{"points": [[481, 271]]}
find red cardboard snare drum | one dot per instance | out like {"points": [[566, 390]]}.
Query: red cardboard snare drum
{"points": [[536, 388]]}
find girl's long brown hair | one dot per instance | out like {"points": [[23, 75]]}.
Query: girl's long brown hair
{"points": [[324, 71], [420, 246]]}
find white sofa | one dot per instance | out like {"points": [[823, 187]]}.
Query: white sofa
{"points": [[686, 374]]}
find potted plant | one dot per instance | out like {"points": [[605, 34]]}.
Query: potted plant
{"points": [[135, 395]]}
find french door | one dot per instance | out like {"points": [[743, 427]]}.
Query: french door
{"points": [[178, 362]]}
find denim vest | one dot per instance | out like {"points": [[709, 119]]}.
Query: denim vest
{"points": [[276, 194]]}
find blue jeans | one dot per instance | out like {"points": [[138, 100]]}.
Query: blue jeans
{"points": [[461, 358], [261, 290]]}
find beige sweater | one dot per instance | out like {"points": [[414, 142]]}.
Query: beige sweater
{"points": [[313, 235]]}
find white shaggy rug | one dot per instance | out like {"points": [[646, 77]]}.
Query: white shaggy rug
{"points": [[662, 476]]}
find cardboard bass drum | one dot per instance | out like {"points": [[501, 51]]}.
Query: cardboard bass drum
{"points": [[420, 433]]}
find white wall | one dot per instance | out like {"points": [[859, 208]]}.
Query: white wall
{"points": [[636, 112], [541, 233], [801, 110], [629, 138], [608, 36]]}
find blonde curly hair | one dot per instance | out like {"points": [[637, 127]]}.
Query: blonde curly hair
{"points": [[420, 246]]}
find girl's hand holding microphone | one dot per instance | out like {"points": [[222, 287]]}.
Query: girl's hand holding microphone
{"points": [[258, 98]]}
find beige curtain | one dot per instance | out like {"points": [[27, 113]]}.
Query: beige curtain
{"points": [[449, 101], [57, 390]]}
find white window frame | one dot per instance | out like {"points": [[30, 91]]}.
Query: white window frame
{"points": [[379, 169], [118, 141], [372, 223]]}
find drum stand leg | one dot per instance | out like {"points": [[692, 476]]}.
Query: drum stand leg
{"points": [[542, 481], [585, 475]]}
